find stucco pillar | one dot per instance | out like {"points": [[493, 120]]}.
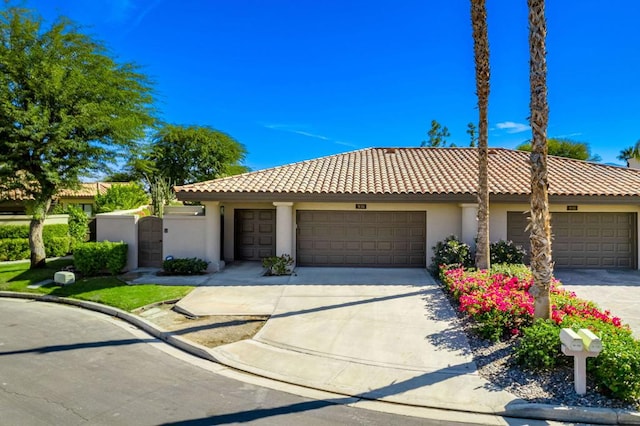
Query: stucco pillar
{"points": [[469, 224], [284, 228], [212, 233]]}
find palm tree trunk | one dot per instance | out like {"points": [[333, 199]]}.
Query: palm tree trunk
{"points": [[539, 221], [481, 53]]}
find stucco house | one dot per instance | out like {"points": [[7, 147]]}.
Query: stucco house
{"points": [[389, 207]]}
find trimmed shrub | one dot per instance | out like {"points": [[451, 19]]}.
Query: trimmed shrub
{"points": [[14, 231], [506, 252], [121, 197], [98, 257], [278, 265], [14, 249], [451, 253], [14, 241], [511, 270], [189, 266], [539, 347], [53, 231], [57, 246], [78, 226]]}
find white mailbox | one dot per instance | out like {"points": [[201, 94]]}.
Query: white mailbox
{"points": [[580, 346], [591, 342], [571, 339]]}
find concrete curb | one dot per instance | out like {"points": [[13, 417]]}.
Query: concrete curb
{"points": [[516, 410]]}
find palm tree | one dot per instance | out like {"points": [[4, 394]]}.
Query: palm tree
{"points": [[630, 152], [481, 54], [539, 220]]}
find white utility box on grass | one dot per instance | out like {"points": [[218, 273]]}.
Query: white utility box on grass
{"points": [[64, 278]]}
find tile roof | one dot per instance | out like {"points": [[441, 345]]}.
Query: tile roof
{"points": [[436, 171], [85, 190], [88, 189]]}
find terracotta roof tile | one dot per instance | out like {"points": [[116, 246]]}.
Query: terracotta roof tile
{"points": [[424, 171], [86, 190]]}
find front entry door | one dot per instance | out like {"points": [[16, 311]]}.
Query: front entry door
{"points": [[255, 234], [150, 242]]}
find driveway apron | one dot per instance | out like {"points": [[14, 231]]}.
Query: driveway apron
{"points": [[612, 289], [397, 343]]}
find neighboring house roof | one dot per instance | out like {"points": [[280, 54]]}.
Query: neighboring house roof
{"points": [[417, 173], [86, 190]]}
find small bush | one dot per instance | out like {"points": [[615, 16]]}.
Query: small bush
{"points": [[451, 252], [278, 265], [78, 226], [14, 231], [189, 266], [53, 231], [57, 246], [94, 258], [617, 368], [121, 197], [539, 347], [14, 249], [506, 252], [511, 270]]}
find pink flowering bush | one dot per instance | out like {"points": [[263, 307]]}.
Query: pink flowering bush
{"points": [[502, 305]]}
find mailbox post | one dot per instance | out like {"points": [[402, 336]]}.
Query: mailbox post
{"points": [[580, 346]]}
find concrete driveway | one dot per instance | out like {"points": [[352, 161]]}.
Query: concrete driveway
{"points": [[617, 290], [397, 343]]}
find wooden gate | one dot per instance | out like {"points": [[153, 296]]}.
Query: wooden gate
{"points": [[150, 242]]}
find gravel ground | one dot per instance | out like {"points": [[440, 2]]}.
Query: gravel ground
{"points": [[496, 363]]}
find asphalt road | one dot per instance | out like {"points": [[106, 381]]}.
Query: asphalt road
{"points": [[67, 366]]}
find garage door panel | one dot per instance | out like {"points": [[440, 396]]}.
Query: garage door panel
{"points": [[593, 240], [361, 238]]}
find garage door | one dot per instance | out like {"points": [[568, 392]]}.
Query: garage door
{"points": [[585, 240], [255, 234], [355, 238]]}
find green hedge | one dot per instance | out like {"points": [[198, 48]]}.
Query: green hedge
{"points": [[57, 246], [189, 266], [14, 249], [104, 256], [14, 241]]}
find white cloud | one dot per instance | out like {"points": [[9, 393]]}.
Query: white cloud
{"points": [[513, 127], [296, 130]]}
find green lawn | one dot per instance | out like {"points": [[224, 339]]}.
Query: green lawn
{"points": [[107, 290]]}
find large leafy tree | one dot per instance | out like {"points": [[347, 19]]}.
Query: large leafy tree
{"points": [[565, 148], [187, 154], [539, 220], [481, 55], [67, 108]]}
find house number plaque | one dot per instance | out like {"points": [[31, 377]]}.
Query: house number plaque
{"points": [[361, 206]]}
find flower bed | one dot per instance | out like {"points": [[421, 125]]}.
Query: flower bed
{"points": [[502, 307]]}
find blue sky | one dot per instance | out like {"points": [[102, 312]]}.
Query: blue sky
{"points": [[299, 79]]}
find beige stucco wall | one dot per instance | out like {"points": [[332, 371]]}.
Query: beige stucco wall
{"points": [[443, 219], [183, 236], [120, 226], [53, 219]]}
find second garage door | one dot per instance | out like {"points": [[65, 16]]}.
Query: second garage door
{"points": [[584, 240], [358, 238]]}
